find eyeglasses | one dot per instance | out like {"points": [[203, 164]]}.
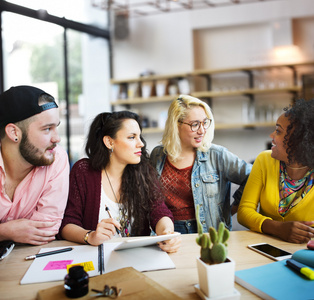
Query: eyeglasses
{"points": [[195, 126]]}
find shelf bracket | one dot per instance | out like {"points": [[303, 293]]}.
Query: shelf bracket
{"points": [[294, 96], [250, 78], [251, 110], [208, 78], [295, 82], [209, 101], [294, 75], [251, 98]]}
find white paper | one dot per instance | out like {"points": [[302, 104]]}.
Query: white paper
{"points": [[140, 258]]}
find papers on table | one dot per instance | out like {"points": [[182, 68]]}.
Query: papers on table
{"points": [[54, 267]]}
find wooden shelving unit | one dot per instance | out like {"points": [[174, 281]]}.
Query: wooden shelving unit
{"points": [[220, 126], [140, 100], [209, 94]]}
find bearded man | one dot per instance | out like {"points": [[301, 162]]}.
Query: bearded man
{"points": [[34, 169]]}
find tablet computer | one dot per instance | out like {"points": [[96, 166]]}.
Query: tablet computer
{"points": [[144, 241]]}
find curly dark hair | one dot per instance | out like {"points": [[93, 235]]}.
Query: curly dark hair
{"points": [[140, 187], [299, 138]]}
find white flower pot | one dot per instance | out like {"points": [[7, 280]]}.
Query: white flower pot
{"points": [[216, 280]]}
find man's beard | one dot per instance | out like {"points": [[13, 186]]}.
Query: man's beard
{"points": [[30, 153]]}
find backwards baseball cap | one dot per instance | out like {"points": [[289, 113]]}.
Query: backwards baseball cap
{"points": [[21, 102]]}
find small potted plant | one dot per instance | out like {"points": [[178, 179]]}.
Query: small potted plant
{"points": [[215, 270]]}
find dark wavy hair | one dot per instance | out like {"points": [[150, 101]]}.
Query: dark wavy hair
{"points": [[299, 138], [140, 187]]}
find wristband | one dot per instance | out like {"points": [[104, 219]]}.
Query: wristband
{"points": [[86, 237]]}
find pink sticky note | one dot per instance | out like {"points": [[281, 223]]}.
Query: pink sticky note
{"points": [[57, 265]]}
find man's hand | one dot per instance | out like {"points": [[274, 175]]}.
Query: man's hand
{"points": [[28, 231]]}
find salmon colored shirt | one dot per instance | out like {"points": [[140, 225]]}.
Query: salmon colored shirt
{"points": [[42, 195]]}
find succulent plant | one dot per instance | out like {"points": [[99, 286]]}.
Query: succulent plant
{"points": [[213, 245]]}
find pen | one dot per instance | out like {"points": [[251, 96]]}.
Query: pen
{"points": [[303, 269], [101, 266], [48, 253], [108, 211]]}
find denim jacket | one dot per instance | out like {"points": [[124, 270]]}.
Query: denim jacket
{"points": [[212, 174]]}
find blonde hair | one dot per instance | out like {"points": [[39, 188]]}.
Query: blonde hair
{"points": [[178, 111]]}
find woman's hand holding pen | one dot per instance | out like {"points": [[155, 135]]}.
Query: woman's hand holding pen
{"points": [[105, 231]]}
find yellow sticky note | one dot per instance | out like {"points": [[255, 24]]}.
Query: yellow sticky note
{"points": [[88, 266]]}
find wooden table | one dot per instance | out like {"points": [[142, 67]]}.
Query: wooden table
{"points": [[180, 280]]}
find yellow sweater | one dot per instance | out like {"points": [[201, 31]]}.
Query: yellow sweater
{"points": [[262, 188]]}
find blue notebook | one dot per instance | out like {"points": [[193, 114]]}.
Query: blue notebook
{"points": [[277, 281]]}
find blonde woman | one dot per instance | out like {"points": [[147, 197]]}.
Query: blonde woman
{"points": [[194, 171]]}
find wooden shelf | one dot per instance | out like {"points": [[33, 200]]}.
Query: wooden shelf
{"points": [[208, 72], [152, 130], [207, 94], [244, 125], [140, 100], [123, 85], [251, 68], [212, 94], [221, 126], [150, 78]]}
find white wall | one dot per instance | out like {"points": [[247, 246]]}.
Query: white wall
{"points": [[232, 36], [164, 42], [161, 43]]}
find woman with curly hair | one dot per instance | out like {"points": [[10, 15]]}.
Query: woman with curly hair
{"points": [[194, 171], [115, 187], [282, 178]]}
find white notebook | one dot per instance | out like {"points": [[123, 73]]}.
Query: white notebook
{"points": [[54, 267]]}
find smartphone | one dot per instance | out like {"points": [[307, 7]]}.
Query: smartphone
{"points": [[270, 251], [5, 248]]}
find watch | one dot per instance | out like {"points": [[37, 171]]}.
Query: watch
{"points": [[86, 237]]}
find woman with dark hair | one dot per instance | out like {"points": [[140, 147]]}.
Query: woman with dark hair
{"points": [[115, 187], [282, 178]]}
